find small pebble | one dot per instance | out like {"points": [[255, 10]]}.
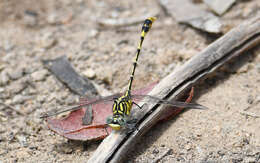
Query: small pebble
{"points": [[33, 148], [1, 139], [89, 73], [257, 99], [41, 98], [247, 11], [105, 75], [32, 91], [5, 95], [221, 153], [18, 99], [14, 75], [250, 99], [3, 117], [71, 99], [8, 46], [188, 147], [39, 75], [52, 18], [47, 41], [200, 19], [10, 137], [9, 57], [67, 150], [237, 158], [57, 18], [30, 18], [2, 66], [4, 78], [219, 6], [197, 1], [258, 67], [115, 14], [155, 151], [245, 68], [250, 159], [93, 33], [22, 140], [16, 87]]}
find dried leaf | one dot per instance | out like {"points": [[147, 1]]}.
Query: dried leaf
{"points": [[72, 127]]}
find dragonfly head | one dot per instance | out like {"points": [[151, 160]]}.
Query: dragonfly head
{"points": [[116, 122]]}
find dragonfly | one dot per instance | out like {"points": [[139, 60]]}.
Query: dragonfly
{"points": [[123, 103]]}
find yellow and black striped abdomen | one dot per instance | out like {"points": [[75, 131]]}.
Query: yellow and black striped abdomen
{"points": [[145, 29]]}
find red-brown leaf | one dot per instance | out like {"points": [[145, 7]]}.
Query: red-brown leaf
{"points": [[71, 127]]}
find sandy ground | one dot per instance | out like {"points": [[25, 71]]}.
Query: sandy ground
{"points": [[35, 30]]}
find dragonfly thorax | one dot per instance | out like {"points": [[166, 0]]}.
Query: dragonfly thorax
{"points": [[121, 109], [122, 106]]}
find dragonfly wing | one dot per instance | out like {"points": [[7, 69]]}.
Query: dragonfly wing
{"points": [[59, 111], [153, 99], [84, 100], [83, 103]]}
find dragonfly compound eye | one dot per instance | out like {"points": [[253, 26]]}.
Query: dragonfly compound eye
{"points": [[109, 120]]}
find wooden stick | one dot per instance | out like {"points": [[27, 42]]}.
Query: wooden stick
{"points": [[247, 35]]}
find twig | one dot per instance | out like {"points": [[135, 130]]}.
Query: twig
{"points": [[166, 153], [247, 35], [249, 114], [12, 108]]}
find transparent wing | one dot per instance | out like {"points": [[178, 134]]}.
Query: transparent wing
{"points": [[84, 102], [87, 101], [152, 99]]}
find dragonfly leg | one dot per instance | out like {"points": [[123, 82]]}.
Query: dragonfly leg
{"points": [[140, 107], [130, 128], [106, 130], [131, 125], [132, 121]]}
